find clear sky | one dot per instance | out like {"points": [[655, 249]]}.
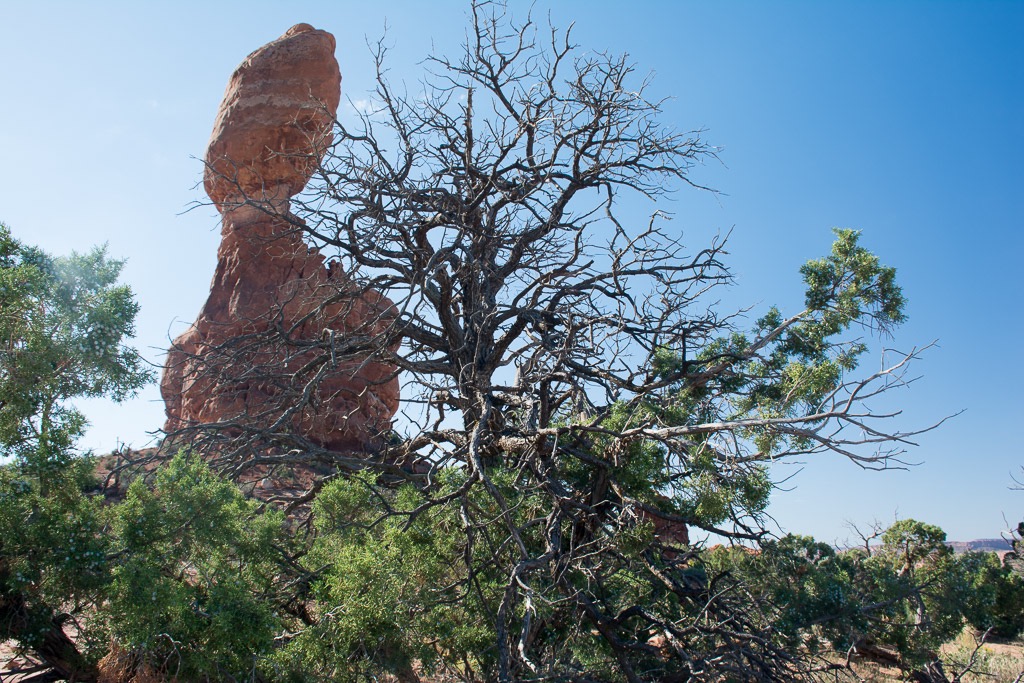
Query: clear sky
{"points": [[904, 120]]}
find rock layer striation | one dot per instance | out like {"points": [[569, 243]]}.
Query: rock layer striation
{"points": [[266, 351]]}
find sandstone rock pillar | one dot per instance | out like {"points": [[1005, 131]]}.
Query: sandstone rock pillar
{"points": [[248, 360]]}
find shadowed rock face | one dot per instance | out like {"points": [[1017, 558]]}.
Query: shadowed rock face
{"points": [[242, 361]]}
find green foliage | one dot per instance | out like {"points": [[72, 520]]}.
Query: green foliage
{"points": [[193, 584], [776, 383], [182, 575], [63, 326], [789, 367], [925, 586], [805, 586], [910, 543], [391, 589], [782, 369], [395, 589], [996, 597], [53, 553], [911, 593], [850, 285], [706, 493], [397, 586]]}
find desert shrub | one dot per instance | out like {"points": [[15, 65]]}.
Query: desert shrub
{"points": [[996, 600], [194, 575]]}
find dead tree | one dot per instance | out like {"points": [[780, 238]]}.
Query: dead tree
{"points": [[543, 332]]}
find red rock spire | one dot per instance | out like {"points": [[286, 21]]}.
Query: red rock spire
{"points": [[271, 129]]}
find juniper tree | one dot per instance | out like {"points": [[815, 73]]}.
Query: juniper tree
{"points": [[64, 324]]}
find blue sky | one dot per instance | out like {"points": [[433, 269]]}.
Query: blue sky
{"points": [[904, 120]]}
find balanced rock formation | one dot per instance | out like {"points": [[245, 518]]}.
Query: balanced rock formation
{"points": [[266, 350]]}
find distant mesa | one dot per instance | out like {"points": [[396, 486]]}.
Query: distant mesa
{"points": [[994, 545], [241, 362]]}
